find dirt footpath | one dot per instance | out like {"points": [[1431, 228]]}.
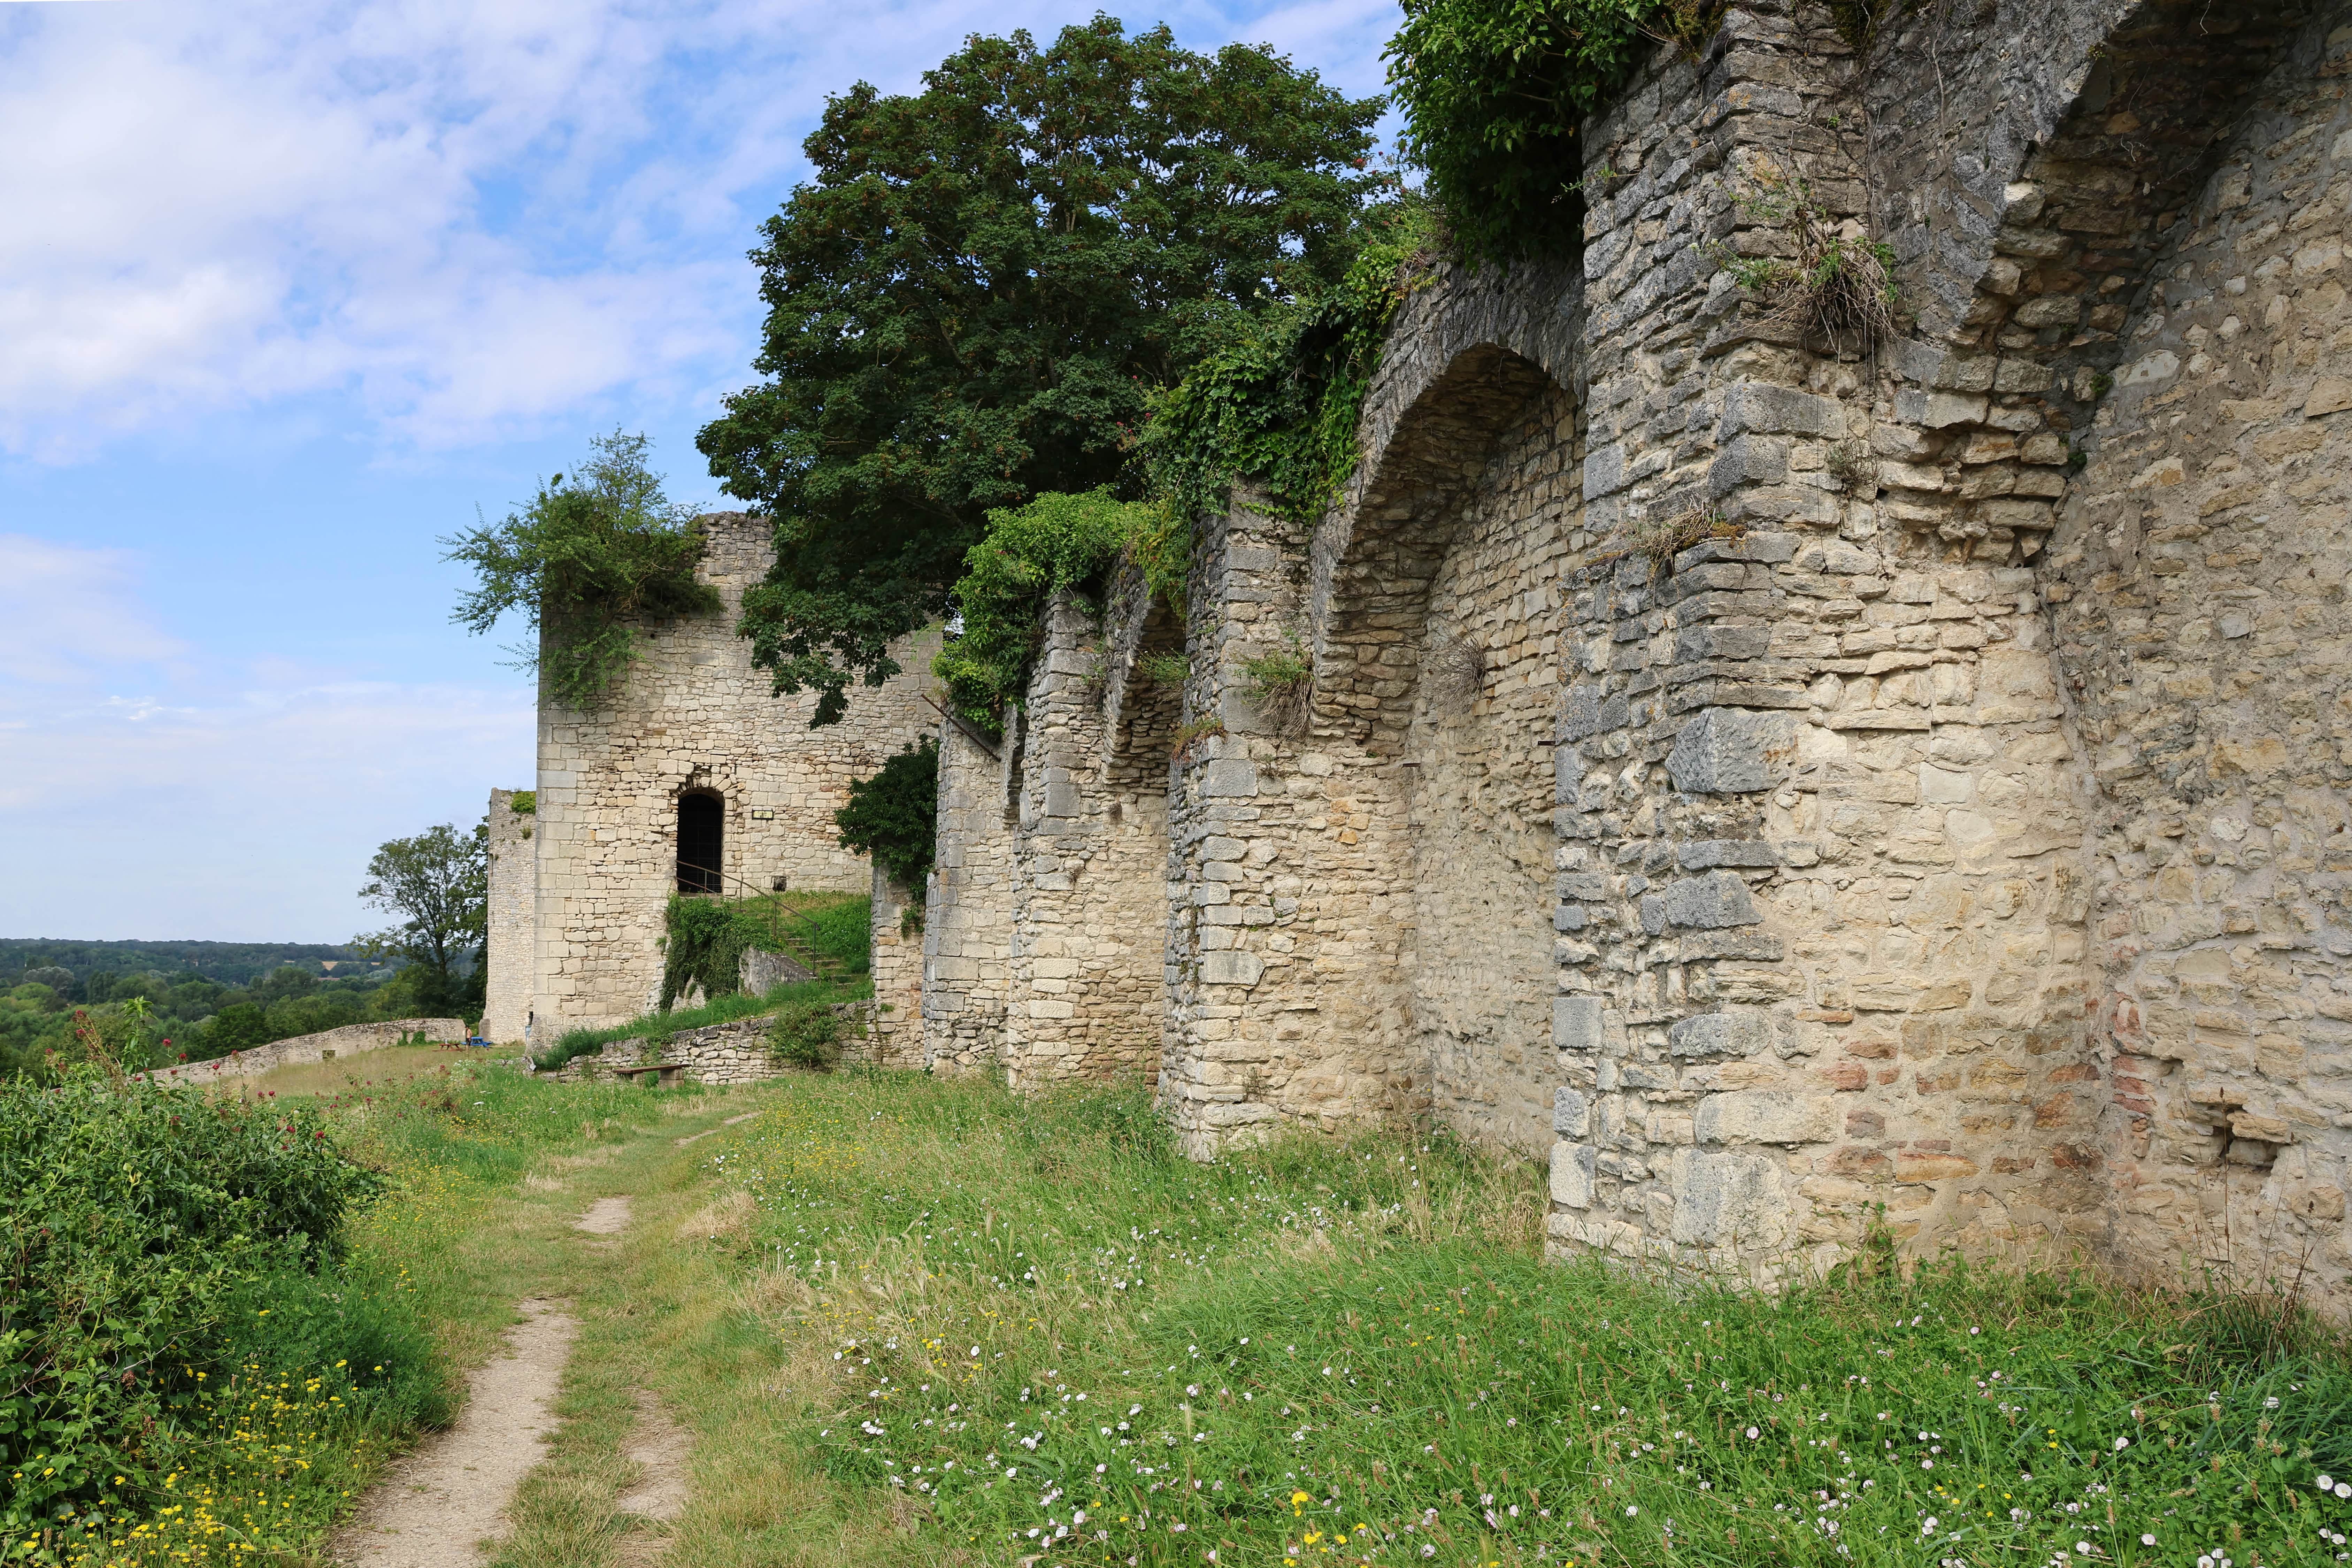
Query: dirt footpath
{"points": [[434, 1508]]}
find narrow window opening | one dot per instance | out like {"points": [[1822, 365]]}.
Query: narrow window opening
{"points": [[701, 841]]}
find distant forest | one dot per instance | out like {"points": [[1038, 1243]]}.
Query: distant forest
{"points": [[223, 962]]}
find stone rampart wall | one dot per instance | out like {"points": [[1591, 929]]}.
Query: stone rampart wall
{"points": [[350, 1040], [728, 1053], [968, 906], [1088, 866], [2197, 578], [898, 975]]}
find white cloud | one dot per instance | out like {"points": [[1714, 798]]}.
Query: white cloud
{"points": [[149, 790], [71, 612], [469, 217]]}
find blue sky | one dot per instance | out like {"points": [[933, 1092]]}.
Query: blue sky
{"points": [[286, 293]]}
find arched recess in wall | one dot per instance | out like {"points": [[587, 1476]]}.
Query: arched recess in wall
{"points": [[1144, 701], [701, 839], [1436, 617], [1373, 564], [2024, 273]]}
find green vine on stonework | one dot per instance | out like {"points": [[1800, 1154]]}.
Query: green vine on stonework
{"points": [[703, 946], [1279, 403], [1056, 543]]}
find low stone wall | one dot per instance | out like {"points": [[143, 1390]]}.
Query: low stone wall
{"points": [[350, 1040], [722, 1052]]}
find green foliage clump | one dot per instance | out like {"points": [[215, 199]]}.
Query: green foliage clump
{"points": [[143, 1222], [1164, 668], [807, 1034], [524, 803], [893, 815], [969, 300], [590, 559], [1278, 401], [703, 946], [1495, 97], [1056, 543], [706, 939]]}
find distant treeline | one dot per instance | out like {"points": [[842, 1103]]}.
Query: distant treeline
{"points": [[147, 1019], [225, 962]]}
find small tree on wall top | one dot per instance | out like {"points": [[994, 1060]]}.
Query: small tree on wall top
{"points": [[893, 815], [594, 553]]}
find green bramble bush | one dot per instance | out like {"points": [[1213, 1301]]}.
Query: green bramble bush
{"points": [[141, 1225]]}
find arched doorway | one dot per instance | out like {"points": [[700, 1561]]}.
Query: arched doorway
{"points": [[701, 842]]}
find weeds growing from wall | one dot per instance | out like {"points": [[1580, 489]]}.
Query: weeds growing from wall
{"points": [[1838, 283], [1164, 668], [1658, 540], [1281, 684]]}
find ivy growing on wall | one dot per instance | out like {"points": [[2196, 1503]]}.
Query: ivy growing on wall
{"points": [[592, 557], [893, 814], [1054, 544], [1279, 402], [703, 946]]}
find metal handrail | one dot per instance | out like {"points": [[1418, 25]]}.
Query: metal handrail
{"points": [[774, 910]]}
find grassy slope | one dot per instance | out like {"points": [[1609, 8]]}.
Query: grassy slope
{"points": [[912, 1320], [915, 1321]]}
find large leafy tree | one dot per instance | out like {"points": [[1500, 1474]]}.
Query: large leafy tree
{"points": [[972, 299], [438, 884]]}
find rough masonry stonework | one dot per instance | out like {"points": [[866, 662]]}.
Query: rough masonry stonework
{"points": [[690, 716], [1785, 779], [1953, 832]]}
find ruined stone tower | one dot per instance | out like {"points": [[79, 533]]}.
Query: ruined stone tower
{"points": [[691, 771]]}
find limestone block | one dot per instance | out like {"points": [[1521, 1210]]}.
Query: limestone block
{"points": [[1741, 1034], [1711, 903], [1571, 1112], [1733, 751], [1756, 405], [1725, 1200], [1704, 853], [1576, 1023], [1767, 1116], [1573, 1169], [1232, 968], [1230, 777]]}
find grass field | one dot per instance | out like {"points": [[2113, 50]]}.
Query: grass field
{"points": [[357, 1074], [917, 1321]]}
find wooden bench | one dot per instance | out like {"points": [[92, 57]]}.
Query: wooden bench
{"points": [[669, 1070]]}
